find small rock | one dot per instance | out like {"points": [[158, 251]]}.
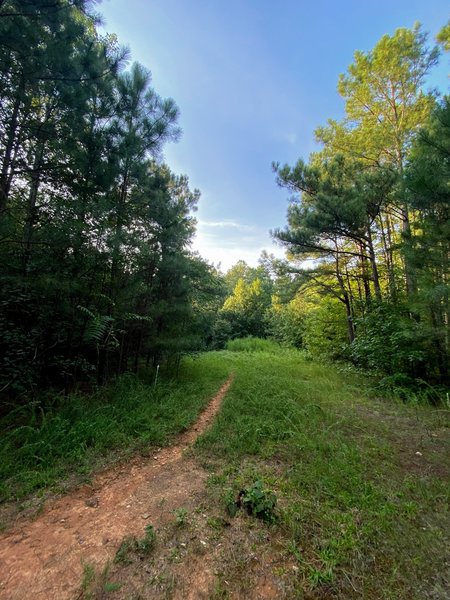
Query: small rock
{"points": [[62, 521], [203, 543], [92, 502], [146, 516]]}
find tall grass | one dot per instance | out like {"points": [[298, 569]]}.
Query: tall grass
{"points": [[252, 344], [39, 447]]}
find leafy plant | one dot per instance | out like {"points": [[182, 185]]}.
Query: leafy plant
{"points": [[145, 545], [257, 501]]}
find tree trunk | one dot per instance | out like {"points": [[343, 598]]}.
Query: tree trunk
{"points": [[31, 214], [7, 163], [373, 264]]}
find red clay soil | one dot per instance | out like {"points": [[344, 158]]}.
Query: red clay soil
{"points": [[43, 559]]}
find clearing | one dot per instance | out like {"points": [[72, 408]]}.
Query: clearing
{"points": [[362, 487]]}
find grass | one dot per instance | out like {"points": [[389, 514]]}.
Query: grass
{"points": [[362, 483], [252, 344], [42, 447]]}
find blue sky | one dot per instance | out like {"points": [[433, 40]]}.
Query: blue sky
{"points": [[253, 79]]}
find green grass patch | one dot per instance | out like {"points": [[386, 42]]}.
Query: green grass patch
{"points": [[362, 483], [252, 344], [40, 447]]}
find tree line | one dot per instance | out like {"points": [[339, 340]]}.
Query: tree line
{"points": [[96, 272], [368, 232]]}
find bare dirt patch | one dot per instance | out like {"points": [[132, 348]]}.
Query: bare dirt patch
{"points": [[44, 558]]}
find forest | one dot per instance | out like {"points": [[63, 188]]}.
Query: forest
{"points": [[330, 450], [97, 274]]}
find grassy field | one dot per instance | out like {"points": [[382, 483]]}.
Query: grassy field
{"points": [[361, 482]]}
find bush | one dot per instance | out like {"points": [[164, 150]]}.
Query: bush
{"points": [[388, 340]]}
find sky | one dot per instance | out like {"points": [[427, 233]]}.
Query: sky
{"points": [[253, 79]]}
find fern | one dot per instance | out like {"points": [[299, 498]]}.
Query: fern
{"points": [[98, 327]]}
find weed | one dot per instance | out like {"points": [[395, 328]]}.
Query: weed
{"points": [[146, 544], [320, 576], [259, 502], [88, 577], [180, 516], [131, 545], [127, 545], [94, 584]]}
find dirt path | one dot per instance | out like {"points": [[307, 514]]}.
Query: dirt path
{"points": [[43, 559]]}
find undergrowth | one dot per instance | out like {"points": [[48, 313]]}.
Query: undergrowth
{"points": [[43, 446], [351, 489]]}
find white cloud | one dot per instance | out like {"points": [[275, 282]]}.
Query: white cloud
{"points": [[227, 247], [227, 223]]}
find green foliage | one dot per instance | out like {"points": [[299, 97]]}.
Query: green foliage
{"points": [[371, 211], [146, 544], [244, 310], [389, 340], [285, 324], [180, 516], [325, 331], [259, 502], [132, 545], [443, 37], [95, 270]]}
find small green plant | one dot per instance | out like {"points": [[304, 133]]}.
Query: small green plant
{"points": [[257, 501], [88, 577], [260, 502], [123, 553], [180, 516], [131, 544], [145, 545], [320, 576]]}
